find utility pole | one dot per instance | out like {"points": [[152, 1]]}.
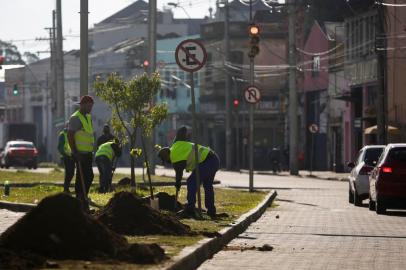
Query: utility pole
{"points": [[54, 81], [251, 120], [152, 36], [229, 146], [152, 31], [293, 128], [60, 96], [84, 47], [380, 47]]}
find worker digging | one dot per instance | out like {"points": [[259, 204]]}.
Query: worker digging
{"points": [[182, 157], [106, 159]]}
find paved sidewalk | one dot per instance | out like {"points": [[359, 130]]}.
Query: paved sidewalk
{"points": [[8, 218], [314, 227]]}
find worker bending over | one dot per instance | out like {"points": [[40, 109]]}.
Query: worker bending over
{"points": [[105, 156], [182, 157]]}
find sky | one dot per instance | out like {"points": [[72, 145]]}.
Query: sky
{"points": [[22, 21]]}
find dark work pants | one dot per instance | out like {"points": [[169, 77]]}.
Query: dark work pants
{"points": [[207, 170], [69, 164], [85, 163], [105, 170]]}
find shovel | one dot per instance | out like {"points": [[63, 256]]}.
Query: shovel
{"points": [[82, 182], [175, 206], [112, 173]]}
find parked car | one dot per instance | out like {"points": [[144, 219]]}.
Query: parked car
{"points": [[387, 182], [359, 178], [22, 153]]}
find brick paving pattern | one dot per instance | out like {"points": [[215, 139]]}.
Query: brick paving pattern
{"points": [[317, 229], [8, 218]]}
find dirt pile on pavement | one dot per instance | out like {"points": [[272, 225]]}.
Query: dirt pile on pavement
{"points": [[58, 228], [129, 214]]}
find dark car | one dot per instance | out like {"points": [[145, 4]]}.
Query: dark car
{"points": [[19, 153], [387, 182]]}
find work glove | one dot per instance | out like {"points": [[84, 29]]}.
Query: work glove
{"points": [[177, 185]]}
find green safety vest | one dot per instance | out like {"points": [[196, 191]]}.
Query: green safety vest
{"points": [[84, 138], [66, 146], [106, 150], [182, 150]]}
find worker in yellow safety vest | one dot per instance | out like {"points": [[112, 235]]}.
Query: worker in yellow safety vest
{"points": [[106, 154], [81, 141], [66, 156], [182, 157]]}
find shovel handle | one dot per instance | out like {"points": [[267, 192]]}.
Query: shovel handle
{"points": [[82, 181], [176, 200]]}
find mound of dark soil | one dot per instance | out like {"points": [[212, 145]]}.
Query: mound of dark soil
{"points": [[167, 202], [24, 260], [58, 228], [128, 214], [124, 182]]}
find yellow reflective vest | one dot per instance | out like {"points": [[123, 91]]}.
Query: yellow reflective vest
{"points": [[66, 147], [182, 150], [106, 150], [84, 138]]}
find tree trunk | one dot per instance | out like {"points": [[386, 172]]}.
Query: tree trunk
{"points": [[133, 183]]}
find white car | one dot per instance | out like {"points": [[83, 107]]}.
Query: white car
{"points": [[359, 176]]}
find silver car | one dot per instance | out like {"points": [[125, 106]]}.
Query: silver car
{"points": [[359, 176]]}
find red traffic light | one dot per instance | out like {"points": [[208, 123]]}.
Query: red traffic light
{"points": [[145, 63], [253, 30], [236, 102]]}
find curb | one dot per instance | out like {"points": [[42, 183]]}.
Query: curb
{"points": [[192, 257], [17, 207]]}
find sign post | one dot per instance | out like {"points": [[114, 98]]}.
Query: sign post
{"points": [[191, 56], [252, 95], [313, 128]]}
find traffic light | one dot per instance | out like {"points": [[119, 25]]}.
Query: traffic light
{"points": [[1, 61], [15, 90], [145, 65], [253, 32], [236, 102]]}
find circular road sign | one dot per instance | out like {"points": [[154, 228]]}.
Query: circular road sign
{"points": [[190, 55], [252, 94], [313, 128]]}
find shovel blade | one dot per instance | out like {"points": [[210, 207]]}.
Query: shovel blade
{"points": [[154, 203]]}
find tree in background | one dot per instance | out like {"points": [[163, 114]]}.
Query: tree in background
{"points": [[132, 108], [10, 53], [30, 57]]}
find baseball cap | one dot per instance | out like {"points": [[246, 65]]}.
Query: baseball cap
{"points": [[86, 99]]}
